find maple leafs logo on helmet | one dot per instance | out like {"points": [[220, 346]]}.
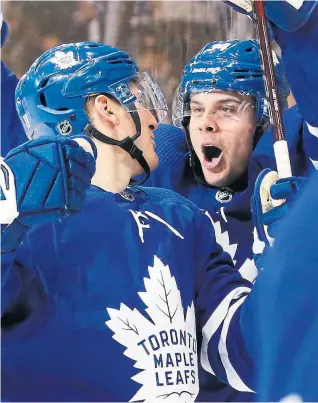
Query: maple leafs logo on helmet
{"points": [[64, 60]]}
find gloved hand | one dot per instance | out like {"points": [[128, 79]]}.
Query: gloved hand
{"points": [[288, 15], [44, 180], [242, 6], [271, 200], [245, 7]]}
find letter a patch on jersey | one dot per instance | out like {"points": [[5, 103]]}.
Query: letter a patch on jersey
{"points": [[163, 349]]}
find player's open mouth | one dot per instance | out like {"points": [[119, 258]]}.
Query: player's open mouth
{"points": [[212, 155]]}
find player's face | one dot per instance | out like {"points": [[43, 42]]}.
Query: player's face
{"points": [[222, 126], [146, 141]]}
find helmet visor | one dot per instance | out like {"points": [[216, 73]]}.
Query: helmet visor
{"points": [[224, 106], [149, 96]]}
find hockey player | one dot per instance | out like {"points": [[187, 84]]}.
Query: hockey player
{"points": [[103, 308], [182, 171], [217, 70], [72, 303], [12, 133], [221, 106]]}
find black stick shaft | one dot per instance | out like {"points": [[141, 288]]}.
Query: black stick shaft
{"points": [[275, 113]]}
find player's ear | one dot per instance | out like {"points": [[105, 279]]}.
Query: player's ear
{"points": [[105, 109]]}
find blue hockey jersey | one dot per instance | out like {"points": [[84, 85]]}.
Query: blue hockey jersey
{"points": [[300, 62], [230, 209], [285, 314], [115, 303], [12, 133]]}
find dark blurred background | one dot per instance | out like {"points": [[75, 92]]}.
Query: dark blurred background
{"points": [[160, 35]]}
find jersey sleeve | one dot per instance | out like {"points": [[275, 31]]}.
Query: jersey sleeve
{"points": [[22, 287], [300, 60], [283, 320], [302, 139], [172, 151], [10, 282], [310, 139], [221, 291]]}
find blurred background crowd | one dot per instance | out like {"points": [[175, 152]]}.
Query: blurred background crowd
{"points": [[161, 36]]}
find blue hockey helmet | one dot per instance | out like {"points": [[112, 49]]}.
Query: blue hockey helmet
{"points": [[233, 65], [4, 30], [52, 95]]}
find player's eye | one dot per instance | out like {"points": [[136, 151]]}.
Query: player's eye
{"points": [[197, 110], [227, 109]]}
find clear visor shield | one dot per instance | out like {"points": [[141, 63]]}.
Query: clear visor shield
{"points": [[226, 107], [149, 96]]}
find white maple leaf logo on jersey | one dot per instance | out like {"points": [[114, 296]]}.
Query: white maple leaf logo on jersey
{"points": [[315, 163], [64, 60], [248, 269], [222, 238], [165, 350]]}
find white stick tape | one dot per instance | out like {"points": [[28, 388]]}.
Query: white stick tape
{"points": [[282, 159]]}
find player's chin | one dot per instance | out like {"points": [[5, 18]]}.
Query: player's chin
{"points": [[216, 176], [217, 179], [153, 161]]}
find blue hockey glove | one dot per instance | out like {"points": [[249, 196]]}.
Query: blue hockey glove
{"points": [[242, 6], [271, 200], [288, 15], [245, 7], [51, 176]]}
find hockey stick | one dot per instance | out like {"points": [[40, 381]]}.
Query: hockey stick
{"points": [[275, 114]]}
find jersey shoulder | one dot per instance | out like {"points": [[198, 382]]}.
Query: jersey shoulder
{"points": [[172, 150], [263, 155], [166, 196], [293, 122], [170, 144]]}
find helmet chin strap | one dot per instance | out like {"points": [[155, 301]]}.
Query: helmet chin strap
{"points": [[194, 161], [195, 164], [127, 144]]}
